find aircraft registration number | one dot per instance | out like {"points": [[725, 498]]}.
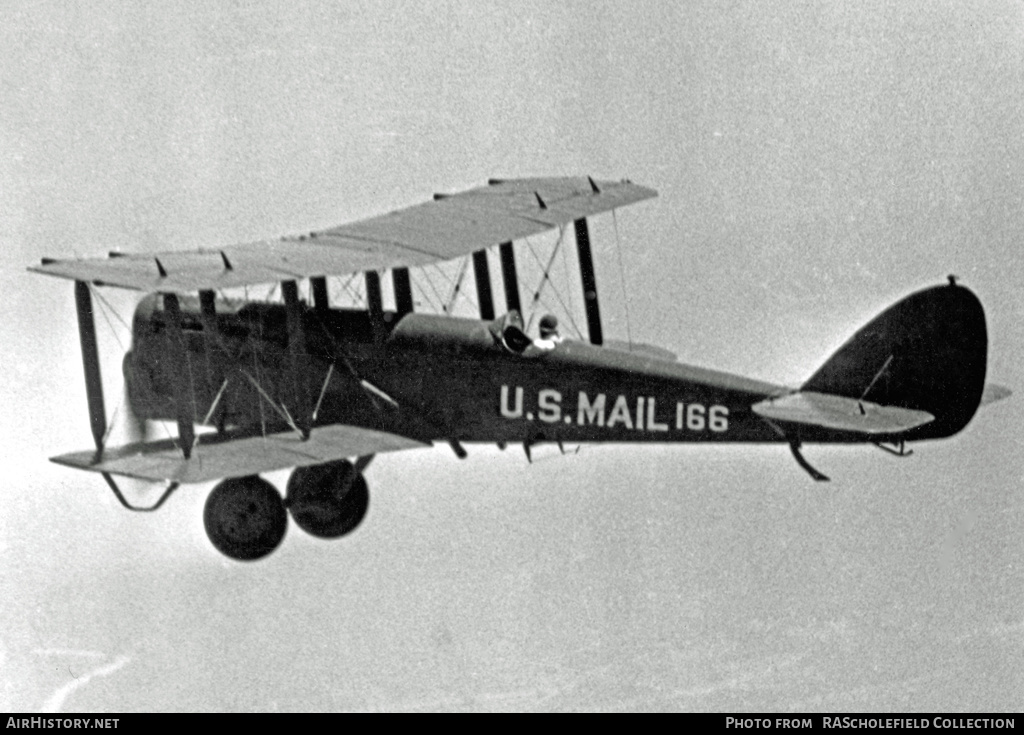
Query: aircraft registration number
{"points": [[639, 413]]}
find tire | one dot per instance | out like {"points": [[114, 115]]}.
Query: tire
{"points": [[245, 518], [315, 502]]}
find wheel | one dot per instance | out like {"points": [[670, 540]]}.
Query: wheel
{"points": [[328, 500], [245, 518]]}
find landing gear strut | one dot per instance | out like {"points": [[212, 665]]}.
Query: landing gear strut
{"points": [[245, 518], [328, 500]]}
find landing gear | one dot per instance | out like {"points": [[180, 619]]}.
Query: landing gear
{"points": [[245, 518], [328, 500]]}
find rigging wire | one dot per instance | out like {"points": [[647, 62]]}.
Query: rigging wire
{"points": [[572, 301], [256, 369], [456, 284], [105, 310], [353, 291], [457, 287], [546, 279], [622, 279], [282, 409], [96, 292], [423, 291], [110, 324], [105, 307]]}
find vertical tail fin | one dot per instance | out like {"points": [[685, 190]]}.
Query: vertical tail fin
{"points": [[926, 352]]}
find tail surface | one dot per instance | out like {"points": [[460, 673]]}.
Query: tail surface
{"points": [[924, 353]]}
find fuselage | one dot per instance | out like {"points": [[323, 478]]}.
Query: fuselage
{"points": [[572, 391], [429, 377]]}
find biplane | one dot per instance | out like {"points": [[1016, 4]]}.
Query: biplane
{"points": [[307, 385]]}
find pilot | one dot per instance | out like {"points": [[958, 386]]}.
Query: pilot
{"points": [[549, 336]]}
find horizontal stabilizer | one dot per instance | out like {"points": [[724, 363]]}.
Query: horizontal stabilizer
{"points": [[841, 414], [449, 227], [994, 392], [223, 455]]}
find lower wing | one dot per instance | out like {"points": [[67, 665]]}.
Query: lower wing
{"points": [[216, 456]]}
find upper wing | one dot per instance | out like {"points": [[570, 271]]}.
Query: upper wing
{"points": [[217, 456], [842, 414], [448, 227]]}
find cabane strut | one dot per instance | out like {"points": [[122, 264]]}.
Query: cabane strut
{"points": [[482, 274], [589, 282]]}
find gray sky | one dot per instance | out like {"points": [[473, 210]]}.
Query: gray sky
{"points": [[814, 163]]}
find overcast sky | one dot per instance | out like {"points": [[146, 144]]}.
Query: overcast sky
{"points": [[814, 163]]}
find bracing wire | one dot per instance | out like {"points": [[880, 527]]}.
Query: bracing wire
{"points": [[105, 307], [433, 288], [457, 287], [456, 283], [106, 303], [352, 291], [256, 369], [282, 410], [546, 279], [622, 279], [572, 301], [110, 324]]}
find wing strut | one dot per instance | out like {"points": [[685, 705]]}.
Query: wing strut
{"points": [[296, 347], [91, 365], [482, 273], [509, 278], [321, 301], [403, 291], [182, 379], [208, 317], [375, 304], [589, 282]]}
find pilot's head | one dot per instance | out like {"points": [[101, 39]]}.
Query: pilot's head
{"points": [[548, 326]]}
